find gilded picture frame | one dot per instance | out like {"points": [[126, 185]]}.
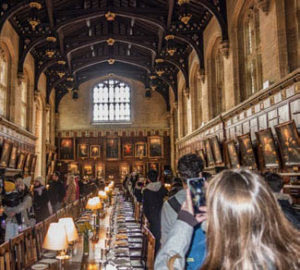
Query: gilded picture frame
{"points": [[289, 143], [67, 149], [140, 149], [128, 150], [232, 154], [155, 147], [95, 151], [13, 157], [209, 154], [112, 148], [83, 150], [246, 150], [216, 149], [5, 153], [268, 155]]}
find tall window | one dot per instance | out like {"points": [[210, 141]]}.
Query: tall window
{"points": [[3, 82], [23, 107], [111, 101], [252, 53]]}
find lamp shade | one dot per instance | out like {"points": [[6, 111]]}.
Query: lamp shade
{"points": [[56, 237], [70, 228], [94, 204], [102, 195]]}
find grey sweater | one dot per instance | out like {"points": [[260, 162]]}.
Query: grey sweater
{"points": [[169, 216]]}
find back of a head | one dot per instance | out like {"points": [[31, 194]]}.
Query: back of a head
{"points": [[274, 180], [152, 175], [189, 166], [247, 229]]}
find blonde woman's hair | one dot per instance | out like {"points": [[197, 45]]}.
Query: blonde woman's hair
{"points": [[246, 227]]}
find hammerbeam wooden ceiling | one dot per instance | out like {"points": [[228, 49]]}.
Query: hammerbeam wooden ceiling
{"points": [[147, 40]]}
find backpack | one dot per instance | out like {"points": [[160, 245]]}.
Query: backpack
{"points": [[197, 251]]}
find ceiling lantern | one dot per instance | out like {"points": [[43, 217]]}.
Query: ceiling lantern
{"points": [[110, 42], [33, 19], [110, 16], [111, 61], [61, 70], [171, 49], [184, 13], [50, 51], [159, 68]]}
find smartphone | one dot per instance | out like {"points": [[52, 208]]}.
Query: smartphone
{"points": [[196, 187]]}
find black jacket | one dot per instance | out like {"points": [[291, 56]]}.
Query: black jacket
{"points": [[56, 192], [153, 198]]}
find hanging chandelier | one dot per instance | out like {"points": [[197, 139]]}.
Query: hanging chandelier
{"points": [[171, 49], [184, 13], [111, 61], [50, 51], [61, 71], [159, 68], [33, 19], [110, 42]]}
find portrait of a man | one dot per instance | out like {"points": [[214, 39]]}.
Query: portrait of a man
{"points": [[5, 153], [66, 149], [155, 147], [113, 148], [83, 150], [128, 150], [140, 149], [95, 151]]}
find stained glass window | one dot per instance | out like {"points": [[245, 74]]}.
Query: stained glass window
{"points": [[111, 101]]}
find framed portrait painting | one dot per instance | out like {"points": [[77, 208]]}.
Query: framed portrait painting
{"points": [[289, 143], [13, 157], [202, 156], [95, 151], [140, 149], [128, 150], [267, 149], [247, 153], [155, 145], [28, 161], [100, 170], [66, 149], [139, 167], [112, 148], [153, 166], [33, 163], [83, 150], [216, 150], [209, 154], [5, 153], [232, 154], [21, 160]]}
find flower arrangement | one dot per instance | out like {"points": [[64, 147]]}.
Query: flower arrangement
{"points": [[84, 229]]}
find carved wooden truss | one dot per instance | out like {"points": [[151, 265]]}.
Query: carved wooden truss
{"points": [[74, 41]]}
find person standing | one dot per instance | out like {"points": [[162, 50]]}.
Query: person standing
{"points": [[41, 202], [56, 191], [70, 190], [153, 198]]}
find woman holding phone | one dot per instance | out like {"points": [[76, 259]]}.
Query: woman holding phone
{"points": [[246, 227]]}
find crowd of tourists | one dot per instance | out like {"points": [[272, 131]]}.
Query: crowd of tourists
{"points": [[245, 221], [23, 203]]}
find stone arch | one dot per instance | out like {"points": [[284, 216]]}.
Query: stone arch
{"points": [[195, 92]]}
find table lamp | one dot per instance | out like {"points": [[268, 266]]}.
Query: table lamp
{"points": [[70, 228], [94, 204], [56, 239]]}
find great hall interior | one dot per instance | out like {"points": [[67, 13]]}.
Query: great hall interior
{"points": [[100, 92]]}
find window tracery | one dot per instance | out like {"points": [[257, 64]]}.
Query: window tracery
{"points": [[111, 101]]}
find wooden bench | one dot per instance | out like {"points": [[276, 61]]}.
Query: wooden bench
{"points": [[17, 247], [5, 256], [149, 248], [30, 247]]}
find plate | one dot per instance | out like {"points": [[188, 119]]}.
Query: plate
{"points": [[39, 266]]}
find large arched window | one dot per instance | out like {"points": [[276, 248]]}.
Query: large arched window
{"points": [[251, 62], [24, 84], [111, 102], [3, 82]]}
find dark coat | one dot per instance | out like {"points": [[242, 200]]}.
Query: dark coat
{"points": [[56, 192], [40, 203], [153, 198]]}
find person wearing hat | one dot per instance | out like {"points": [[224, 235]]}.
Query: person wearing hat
{"points": [[17, 203], [41, 202]]}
